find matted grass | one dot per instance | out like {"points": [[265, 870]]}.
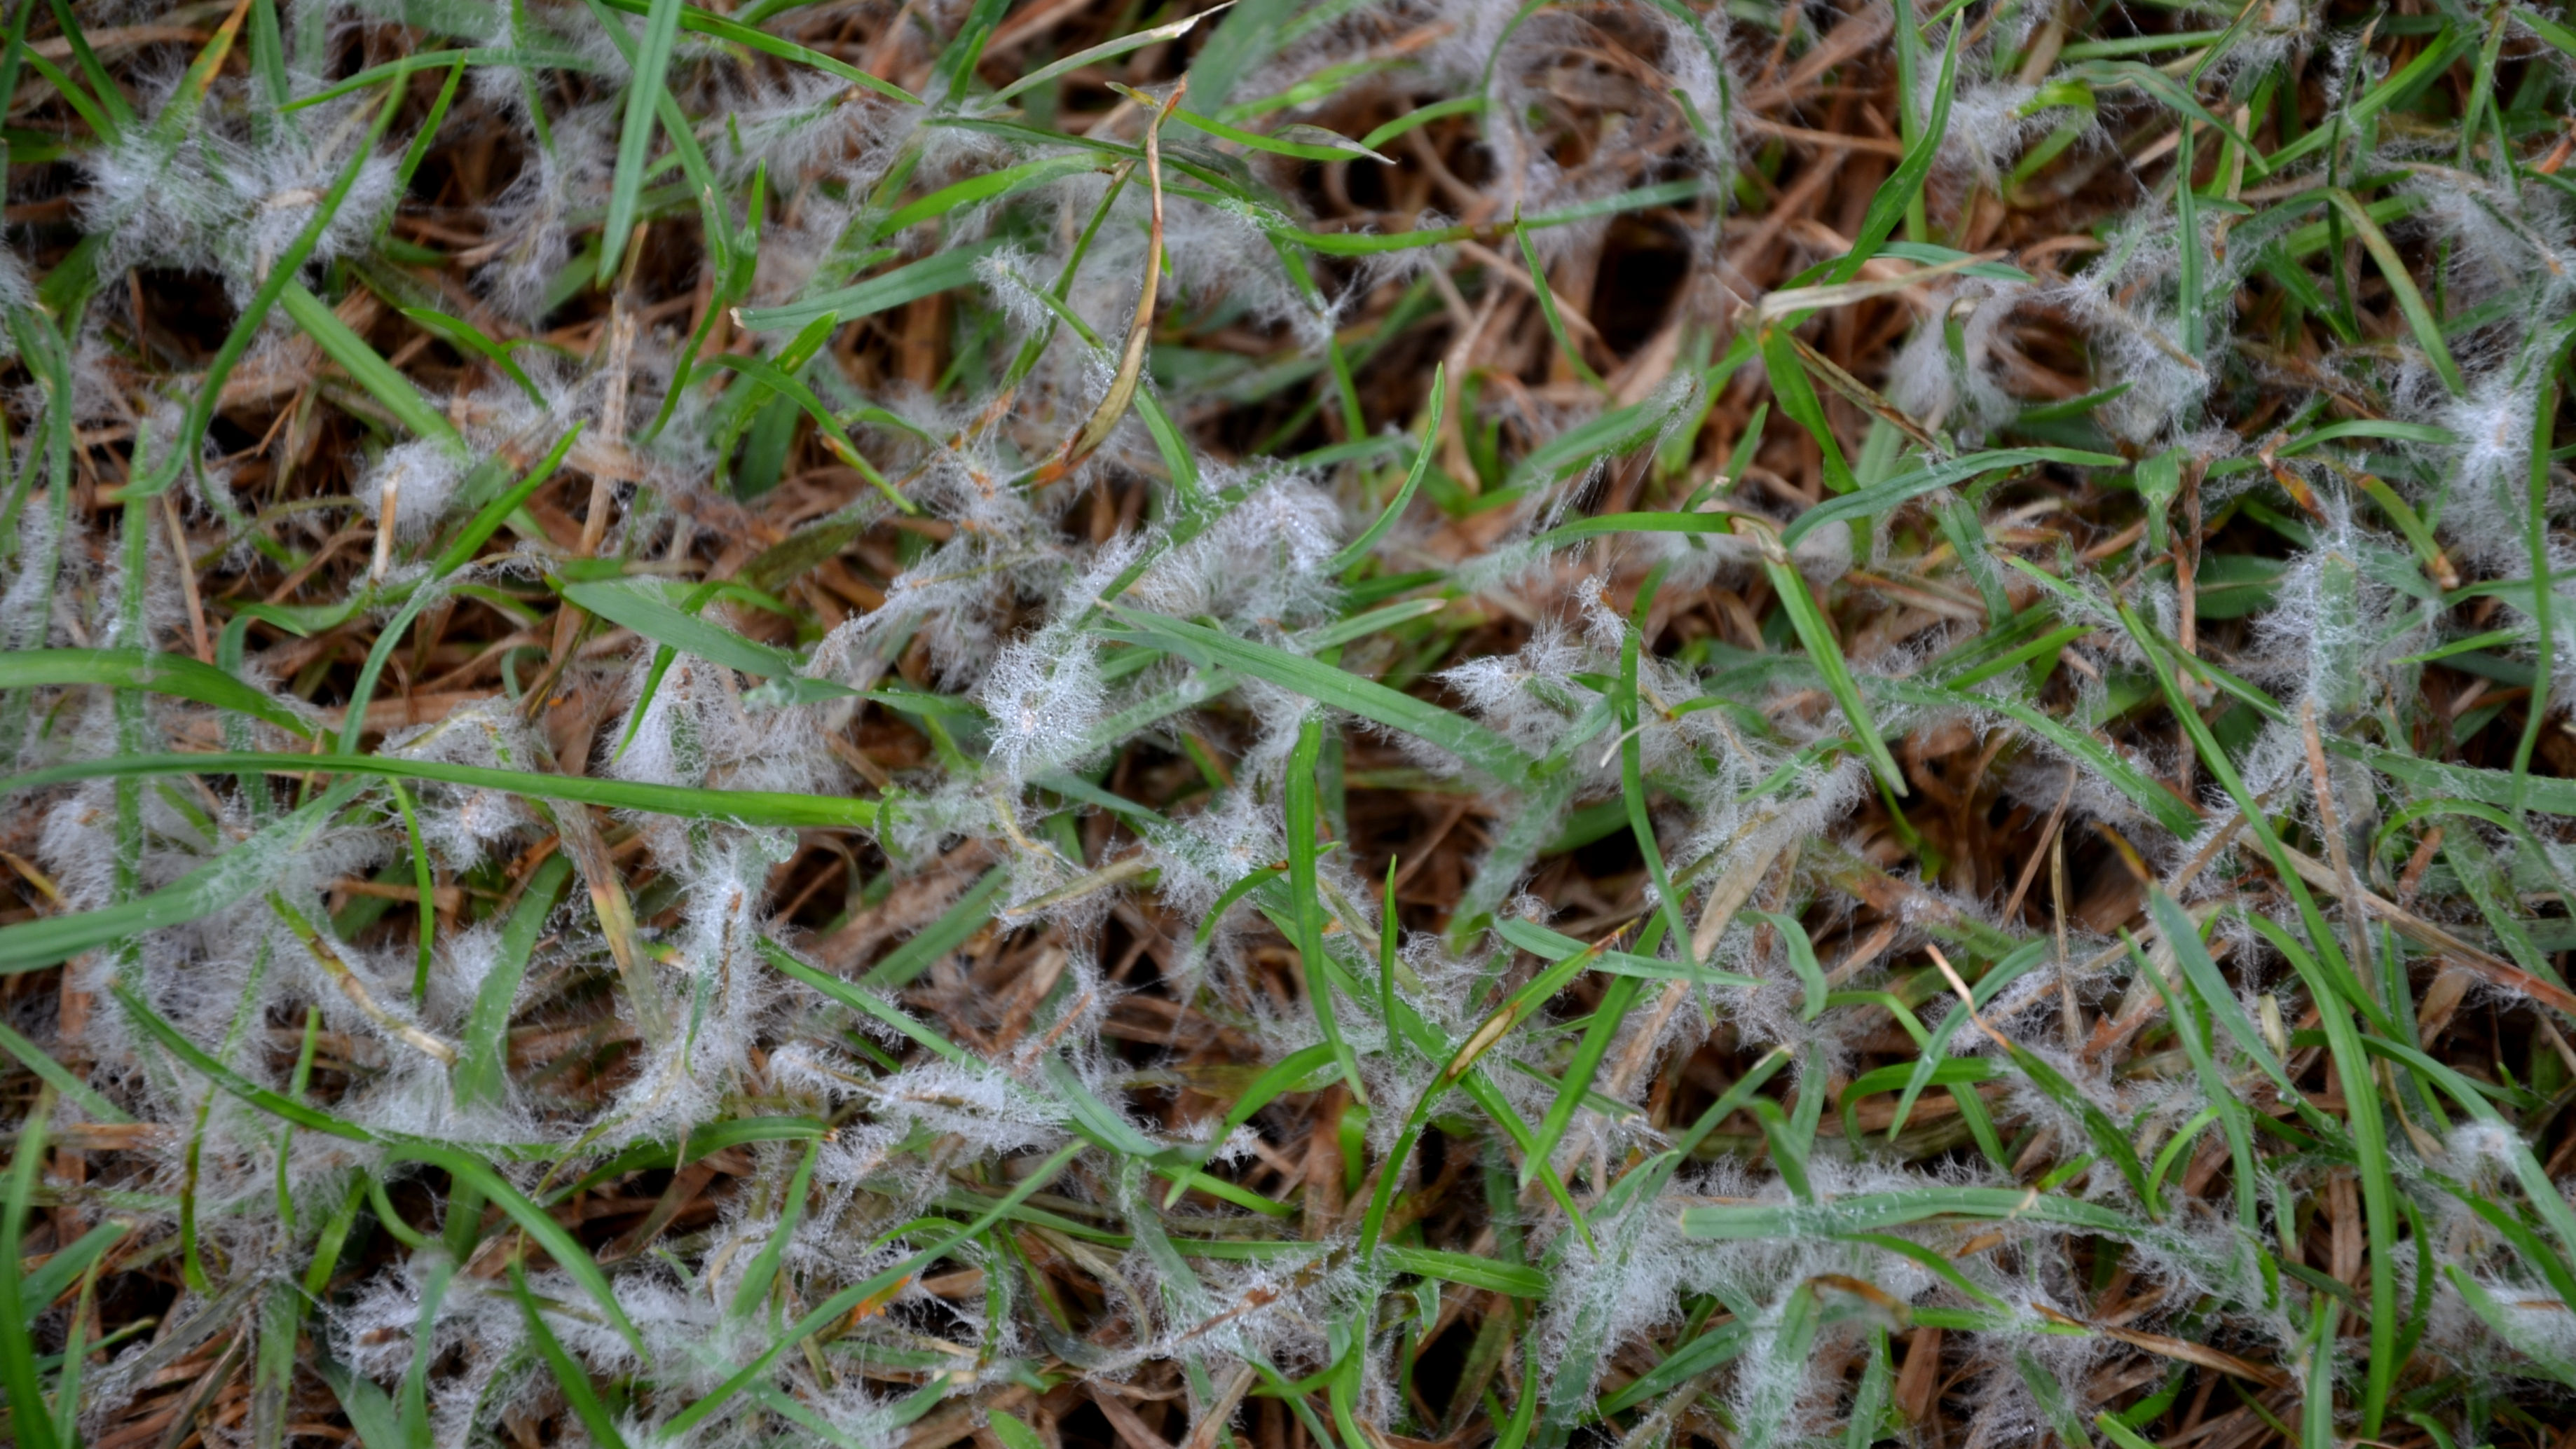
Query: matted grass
{"points": [[1304, 726]]}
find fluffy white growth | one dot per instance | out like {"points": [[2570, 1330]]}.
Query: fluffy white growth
{"points": [[235, 203], [415, 479], [1044, 695]]}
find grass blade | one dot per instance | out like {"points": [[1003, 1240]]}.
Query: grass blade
{"points": [[746, 807], [1816, 633], [1305, 898], [649, 71], [1478, 746], [480, 1074], [569, 1376], [175, 675], [368, 368]]}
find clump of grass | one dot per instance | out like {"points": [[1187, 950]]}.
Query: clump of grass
{"points": [[1336, 725]]}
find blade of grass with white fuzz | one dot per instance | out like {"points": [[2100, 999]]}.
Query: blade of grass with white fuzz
{"points": [[2224, 1102], [418, 61], [1933, 1052], [1337, 688], [569, 1376], [851, 1297], [459, 551], [944, 270], [139, 1013], [860, 999], [726, 30], [1305, 898], [1880, 498], [1816, 633], [1871, 1212], [1108, 50], [1550, 945], [763, 1269], [2548, 1204], [326, 956], [227, 879], [746, 807], [2164, 668], [1371, 244], [1608, 1016], [1462, 1072], [1628, 714], [2109, 1142], [481, 1071], [530, 1219], [182, 451]]}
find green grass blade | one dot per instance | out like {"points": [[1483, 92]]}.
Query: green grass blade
{"points": [[1105, 50], [1471, 742], [744, 807], [733, 32], [1871, 1212], [229, 878], [464, 336], [859, 998], [1880, 498], [61, 1078], [540, 1226], [649, 72], [644, 605], [851, 1297], [1816, 634], [1306, 901], [1607, 1019], [1547, 311], [1358, 548], [174, 675], [1466, 1268], [924, 948], [1802, 960], [2401, 282], [569, 1376], [481, 1073], [2378, 1186], [939, 272], [30, 1416], [368, 368], [764, 1267]]}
